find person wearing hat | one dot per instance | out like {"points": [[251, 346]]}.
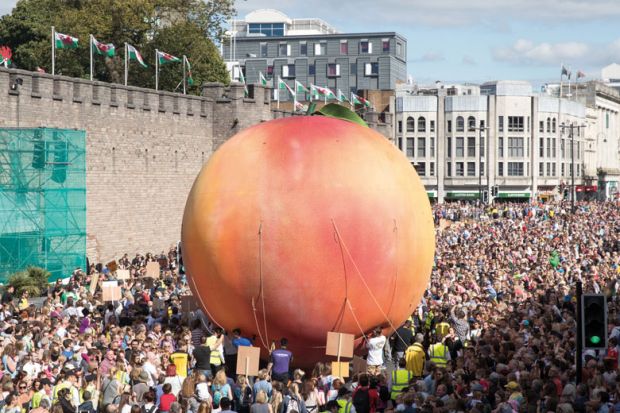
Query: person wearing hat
{"points": [[515, 392]]}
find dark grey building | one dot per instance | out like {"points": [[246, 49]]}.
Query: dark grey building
{"points": [[312, 52]]}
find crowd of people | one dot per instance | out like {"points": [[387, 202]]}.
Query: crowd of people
{"points": [[494, 333]]}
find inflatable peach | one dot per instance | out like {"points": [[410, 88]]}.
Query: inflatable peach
{"points": [[304, 225]]}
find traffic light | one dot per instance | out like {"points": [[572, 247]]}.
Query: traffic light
{"points": [[495, 190], [485, 197], [594, 321]]}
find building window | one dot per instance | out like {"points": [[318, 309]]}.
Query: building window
{"points": [[460, 124], [410, 147], [500, 147], [400, 126], [421, 124], [421, 148], [482, 145], [548, 147], [500, 169], [500, 124], [365, 47], [548, 125], [548, 168], [266, 29], [400, 143], [460, 169], [450, 126], [553, 126], [471, 168], [449, 147], [410, 124], [333, 70], [607, 121], [432, 168], [303, 49], [371, 69], [541, 126], [471, 146], [515, 147], [399, 49], [562, 169], [319, 49], [515, 168], [541, 169], [311, 69], [353, 69], [459, 147], [562, 151], [284, 49], [385, 43], [263, 50], [471, 124], [541, 149], [578, 150], [288, 71], [449, 169], [515, 123], [270, 70], [432, 148], [528, 124], [481, 168], [421, 168], [553, 169], [344, 47], [432, 126]]}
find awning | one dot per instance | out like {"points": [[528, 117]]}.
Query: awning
{"points": [[514, 195], [431, 194], [586, 188], [462, 195]]}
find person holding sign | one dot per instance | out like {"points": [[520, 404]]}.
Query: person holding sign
{"points": [[375, 346]]}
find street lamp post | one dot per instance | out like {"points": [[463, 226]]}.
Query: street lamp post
{"points": [[571, 136], [481, 129]]}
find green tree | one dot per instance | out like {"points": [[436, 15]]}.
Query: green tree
{"points": [[175, 26], [33, 279]]}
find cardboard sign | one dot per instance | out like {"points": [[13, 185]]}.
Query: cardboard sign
{"points": [[188, 303], [112, 266], [111, 291], [247, 360], [152, 270], [359, 365], [339, 344], [340, 369], [94, 279], [122, 274]]}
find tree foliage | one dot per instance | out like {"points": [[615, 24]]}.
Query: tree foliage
{"points": [[33, 279], [178, 27]]}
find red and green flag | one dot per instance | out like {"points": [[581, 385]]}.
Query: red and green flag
{"points": [[325, 92], [190, 79], [6, 54], [106, 49], [262, 78], [358, 100], [341, 96], [64, 41], [134, 54], [164, 58], [299, 88]]}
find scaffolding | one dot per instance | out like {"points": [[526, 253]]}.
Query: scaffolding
{"points": [[42, 200]]}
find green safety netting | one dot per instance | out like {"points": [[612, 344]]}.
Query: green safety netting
{"points": [[42, 200]]}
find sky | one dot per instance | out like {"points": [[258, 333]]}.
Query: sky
{"points": [[474, 40]]}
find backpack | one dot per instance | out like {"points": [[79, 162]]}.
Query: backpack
{"points": [[246, 398], [292, 405], [384, 393], [151, 410], [361, 400]]}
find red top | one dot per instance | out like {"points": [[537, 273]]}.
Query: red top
{"points": [[165, 401], [373, 396]]}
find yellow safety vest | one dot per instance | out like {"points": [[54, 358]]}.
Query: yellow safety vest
{"points": [[344, 406], [215, 353], [400, 380], [439, 354], [442, 329]]}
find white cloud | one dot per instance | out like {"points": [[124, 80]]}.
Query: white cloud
{"points": [[469, 61], [526, 52], [429, 57]]}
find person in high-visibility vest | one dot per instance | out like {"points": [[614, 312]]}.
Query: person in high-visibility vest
{"points": [[215, 344], [399, 380], [344, 400], [442, 328], [415, 356], [439, 353]]}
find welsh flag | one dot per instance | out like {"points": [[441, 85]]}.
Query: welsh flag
{"points": [[281, 83], [64, 41], [190, 79], [134, 54], [6, 54], [326, 92], [299, 88], [300, 107], [107, 49], [164, 58], [358, 100], [262, 78], [242, 80], [341, 96]]}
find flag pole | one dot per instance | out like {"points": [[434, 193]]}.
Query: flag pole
{"points": [[53, 50], [90, 46], [156, 69], [561, 79], [569, 91], [184, 87], [277, 89], [126, 62]]}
